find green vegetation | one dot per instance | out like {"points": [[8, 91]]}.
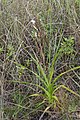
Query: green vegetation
{"points": [[39, 59]]}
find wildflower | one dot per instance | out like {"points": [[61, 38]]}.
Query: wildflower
{"points": [[33, 21]]}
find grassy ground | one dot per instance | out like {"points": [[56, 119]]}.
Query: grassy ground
{"points": [[39, 59]]}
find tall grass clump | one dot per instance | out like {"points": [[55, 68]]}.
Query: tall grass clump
{"points": [[39, 59]]}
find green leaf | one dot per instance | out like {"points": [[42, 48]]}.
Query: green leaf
{"points": [[39, 67], [19, 65], [55, 98], [68, 89], [35, 95], [1, 49], [57, 78], [51, 71]]}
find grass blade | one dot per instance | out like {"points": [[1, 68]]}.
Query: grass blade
{"points": [[75, 68]]}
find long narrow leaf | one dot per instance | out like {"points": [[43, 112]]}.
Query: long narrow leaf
{"points": [[75, 68], [40, 67], [38, 76], [52, 66], [68, 89]]}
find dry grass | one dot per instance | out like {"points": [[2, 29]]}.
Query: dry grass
{"points": [[54, 21]]}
